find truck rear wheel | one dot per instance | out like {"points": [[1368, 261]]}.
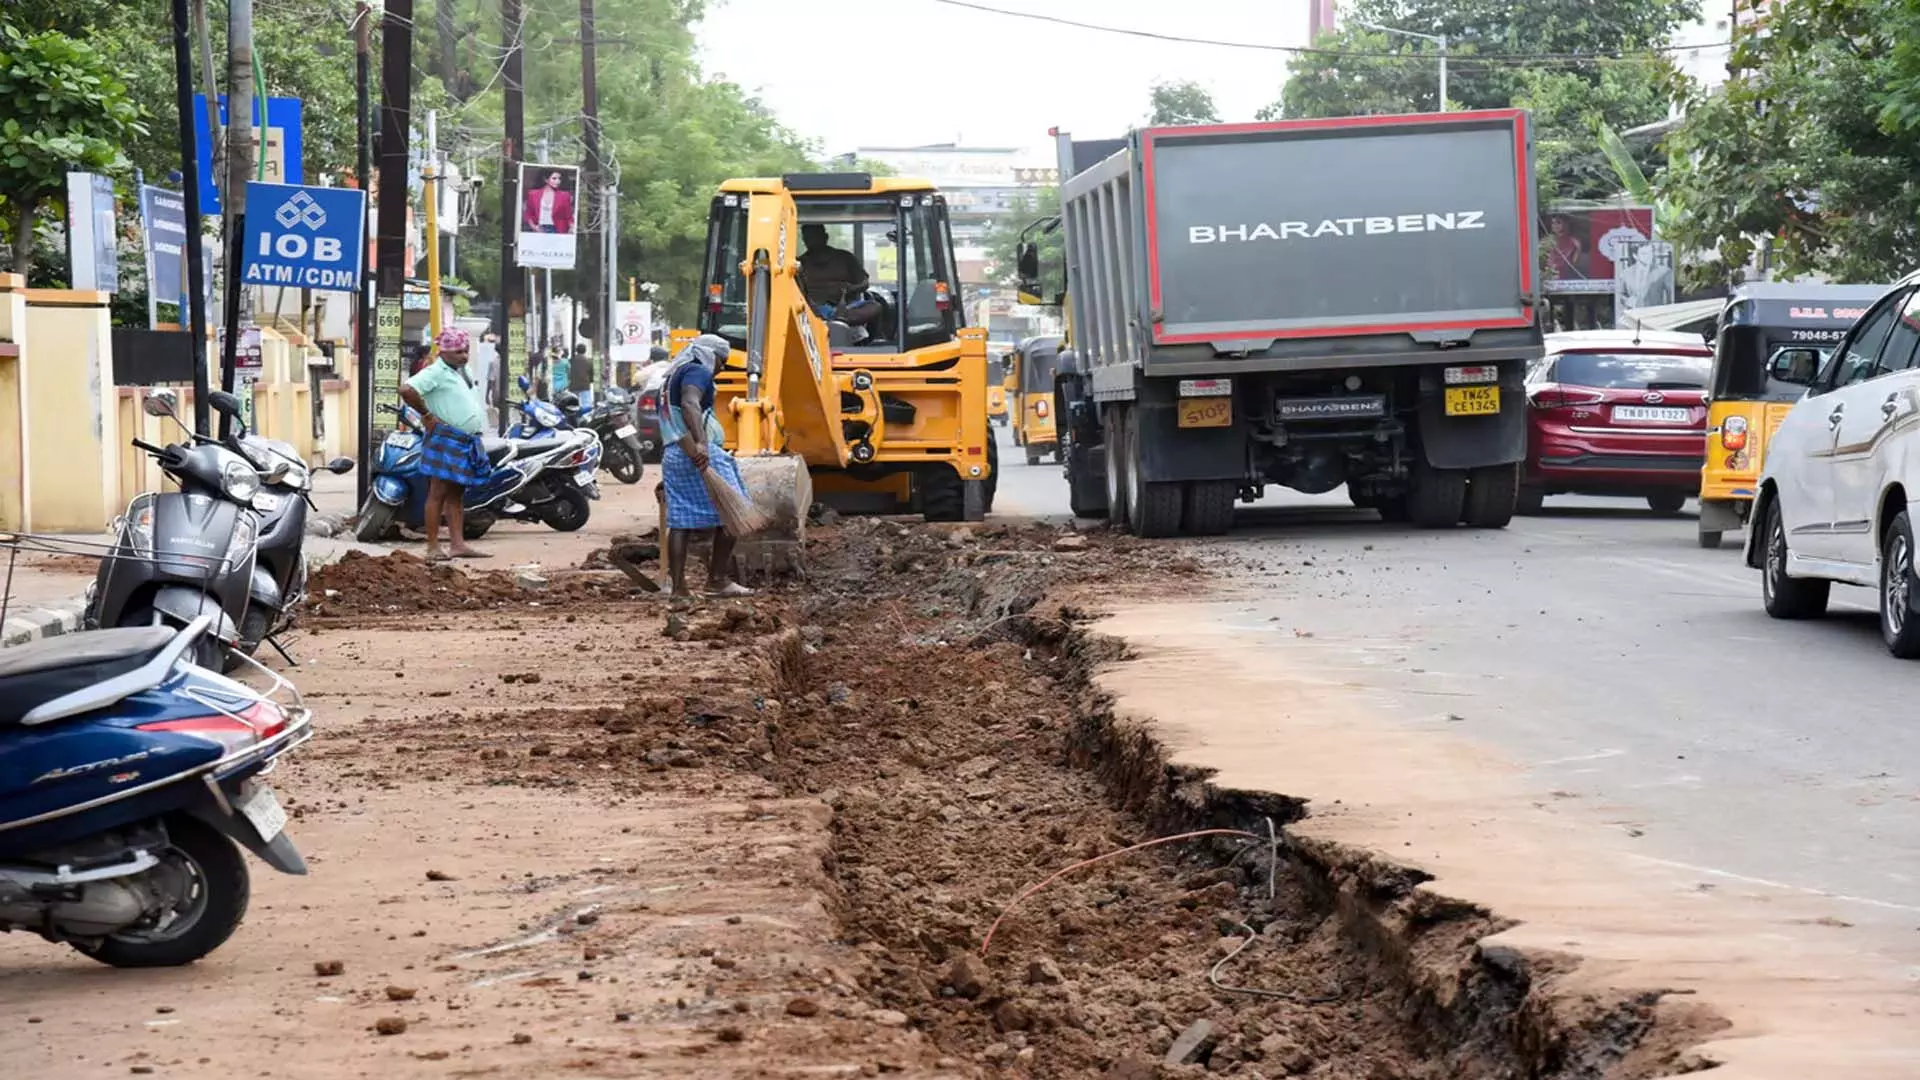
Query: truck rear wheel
{"points": [[1153, 509], [1437, 497], [1209, 507], [1115, 421], [1492, 494]]}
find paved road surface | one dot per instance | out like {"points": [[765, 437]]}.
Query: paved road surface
{"points": [[1601, 650]]}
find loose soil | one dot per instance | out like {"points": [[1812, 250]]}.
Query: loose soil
{"points": [[603, 835]]}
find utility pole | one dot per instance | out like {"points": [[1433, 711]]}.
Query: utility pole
{"points": [[396, 97], [363, 343], [513, 306], [592, 200], [430, 188], [233, 195], [611, 294], [196, 313]]}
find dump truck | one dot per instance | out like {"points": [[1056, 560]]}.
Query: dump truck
{"points": [[1307, 303], [854, 379]]}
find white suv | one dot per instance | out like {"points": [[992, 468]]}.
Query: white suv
{"points": [[1836, 496]]}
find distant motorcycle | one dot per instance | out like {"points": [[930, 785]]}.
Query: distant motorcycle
{"points": [[131, 778], [549, 480], [613, 421]]}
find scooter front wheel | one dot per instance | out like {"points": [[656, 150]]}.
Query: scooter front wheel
{"points": [[204, 888], [376, 521]]}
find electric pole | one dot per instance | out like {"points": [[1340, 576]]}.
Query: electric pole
{"points": [[363, 343], [592, 199], [196, 313], [513, 307], [233, 196], [396, 98]]}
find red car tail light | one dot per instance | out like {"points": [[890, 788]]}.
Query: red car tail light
{"points": [[1562, 397]]}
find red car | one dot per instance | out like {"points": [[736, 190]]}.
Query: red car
{"points": [[1617, 412]]}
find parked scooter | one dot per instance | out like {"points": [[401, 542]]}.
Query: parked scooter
{"points": [[549, 480], [186, 553], [279, 583], [130, 777]]}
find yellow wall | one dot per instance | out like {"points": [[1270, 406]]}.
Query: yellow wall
{"points": [[70, 414]]}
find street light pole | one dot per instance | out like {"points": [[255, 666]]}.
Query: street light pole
{"points": [[1439, 40]]}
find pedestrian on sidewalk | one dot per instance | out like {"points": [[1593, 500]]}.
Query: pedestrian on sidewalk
{"points": [[453, 458], [693, 441], [580, 376]]}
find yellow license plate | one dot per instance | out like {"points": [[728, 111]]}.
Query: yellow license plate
{"points": [[1206, 412], [1473, 400]]}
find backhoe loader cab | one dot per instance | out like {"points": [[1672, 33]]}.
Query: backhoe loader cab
{"points": [[841, 297]]}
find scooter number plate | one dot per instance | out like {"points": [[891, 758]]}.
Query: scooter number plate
{"points": [[583, 477], [625, 431], [262, 807]]}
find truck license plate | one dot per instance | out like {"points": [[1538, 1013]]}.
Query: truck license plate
{"points": [[1206, 412], [1473, 400]]}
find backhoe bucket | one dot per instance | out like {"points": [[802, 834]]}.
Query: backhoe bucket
{"points": [[780, 485]]}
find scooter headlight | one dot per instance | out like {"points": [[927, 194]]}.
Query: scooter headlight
{"points": [[240, 481]]}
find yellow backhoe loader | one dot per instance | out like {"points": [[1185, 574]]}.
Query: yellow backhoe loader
{"points": [[853, 379]]}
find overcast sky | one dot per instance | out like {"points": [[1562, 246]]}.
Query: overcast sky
{"points": [[851, 76]]}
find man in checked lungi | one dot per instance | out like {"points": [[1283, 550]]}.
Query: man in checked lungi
{"points": [[453, 458], [693, 441]]}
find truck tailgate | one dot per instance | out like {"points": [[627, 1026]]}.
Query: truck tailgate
{"points": [[1321, 228]]}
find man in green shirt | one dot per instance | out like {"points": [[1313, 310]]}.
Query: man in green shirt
{"points": [[452, 457]]}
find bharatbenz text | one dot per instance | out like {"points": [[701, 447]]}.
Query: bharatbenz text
{"points": [[1451, 221]]}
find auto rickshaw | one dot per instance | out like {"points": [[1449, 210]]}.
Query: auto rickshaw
{"points": [[997, 390], [1765, 327], [1031, 406]]}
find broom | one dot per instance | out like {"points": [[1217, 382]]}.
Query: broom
{"points": [[738, 514]]}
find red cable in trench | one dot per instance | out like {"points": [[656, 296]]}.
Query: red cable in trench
{"points": [[1057, 875]]}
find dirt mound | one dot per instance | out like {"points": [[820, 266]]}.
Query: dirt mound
{"points": [[400, 583]]}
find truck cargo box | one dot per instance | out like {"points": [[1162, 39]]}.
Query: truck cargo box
{"points": [[1284, 237]]}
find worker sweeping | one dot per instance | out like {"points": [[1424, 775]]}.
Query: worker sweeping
{"points": [[704, 492]]}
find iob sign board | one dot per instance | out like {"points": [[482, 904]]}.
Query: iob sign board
{"points": [[304, 237]]}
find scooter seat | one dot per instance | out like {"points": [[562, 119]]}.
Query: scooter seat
{"points": [[33, 674], [498, 450]]}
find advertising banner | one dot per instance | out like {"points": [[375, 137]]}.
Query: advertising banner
{"points": [[163, 227], [1579, 246], [549, 202]]}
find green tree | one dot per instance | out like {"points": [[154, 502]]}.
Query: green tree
{"points": [[64, 110], [1362, 71], [1813, 143], [1178, 104], [1003, 238]]}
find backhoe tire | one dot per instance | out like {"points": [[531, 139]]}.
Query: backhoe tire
{"points": [[1437, 498], [1209, 507], [1118, 483], [1492, 494], [943, 495], [1153, 508]]}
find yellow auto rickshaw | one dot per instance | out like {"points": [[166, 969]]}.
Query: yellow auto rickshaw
{"points": [[997, 390], [1765, 328], [1031, 406]]}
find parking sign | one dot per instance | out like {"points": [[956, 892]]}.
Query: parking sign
{"points": [[304, 237]]}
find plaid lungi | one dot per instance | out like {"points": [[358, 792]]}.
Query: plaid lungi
{"points": [[454, 456], [688, 504]]}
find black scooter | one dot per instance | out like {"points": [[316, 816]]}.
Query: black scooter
{"points": [[186, 553], [612, 420]]}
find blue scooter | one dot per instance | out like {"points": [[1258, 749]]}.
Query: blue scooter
{"points": [[549, 480], [129, 779]]}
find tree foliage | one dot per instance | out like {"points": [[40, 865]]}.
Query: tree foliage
{"points": [[1178, 104], [64, 110], [1814, 143], [1363, 71]]}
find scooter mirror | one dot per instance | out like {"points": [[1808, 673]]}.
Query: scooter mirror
{"points": [[340, 466], [158, 403], [223, 403], [526, 384]]}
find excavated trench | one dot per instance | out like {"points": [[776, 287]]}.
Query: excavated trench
{"points": [[954, 725]]}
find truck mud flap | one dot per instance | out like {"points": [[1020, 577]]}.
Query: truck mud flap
{"points": [[1170, 453], [1469, 442]]}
